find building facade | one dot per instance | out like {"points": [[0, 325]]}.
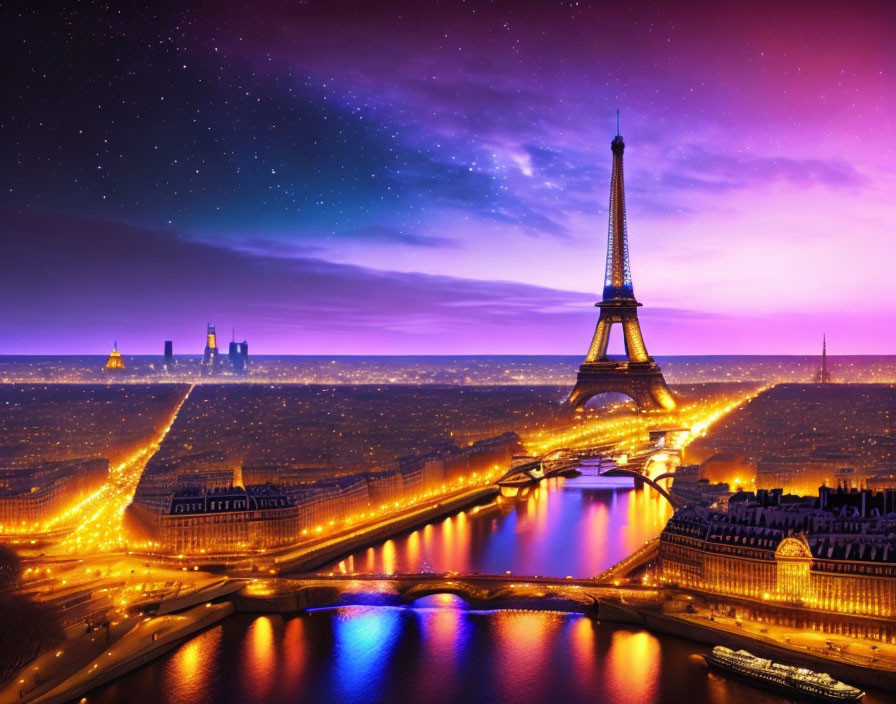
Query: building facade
{"points": [[32, 495], [832, 554], [206, 514]]}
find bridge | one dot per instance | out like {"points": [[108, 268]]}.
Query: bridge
{"points": [[283, 595], [561, 460]]}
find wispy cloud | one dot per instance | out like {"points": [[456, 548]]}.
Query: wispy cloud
{"points": [[695, 170], [90, 282]]}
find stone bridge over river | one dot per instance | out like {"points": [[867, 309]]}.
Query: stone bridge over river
{"points": [[284, 595]]}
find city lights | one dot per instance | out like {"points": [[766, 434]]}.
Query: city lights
{"points": [[535, 412]]}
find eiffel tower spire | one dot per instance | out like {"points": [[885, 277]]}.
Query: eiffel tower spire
{"points": [[618, 279]]}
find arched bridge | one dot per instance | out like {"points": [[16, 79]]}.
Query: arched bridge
{"points": [[478, 591], [654, 483], [559, 460]]}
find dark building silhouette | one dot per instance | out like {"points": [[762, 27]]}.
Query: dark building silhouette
{"points": [[168, 360], [823, 376], [238, 354]]}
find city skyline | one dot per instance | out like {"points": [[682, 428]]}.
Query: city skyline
{"points": [[343, 181], [297, 399]]}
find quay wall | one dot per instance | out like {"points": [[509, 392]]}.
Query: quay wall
{"points": [[135, 650], [315, 556], [854, 674]]}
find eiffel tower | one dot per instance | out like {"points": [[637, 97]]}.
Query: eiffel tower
{"points": [[639, 377]]}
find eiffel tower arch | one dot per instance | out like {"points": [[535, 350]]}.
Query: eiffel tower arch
{"points": [[639, 377]]}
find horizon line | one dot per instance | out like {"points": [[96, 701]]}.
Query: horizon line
{"points": [[463, 354]]}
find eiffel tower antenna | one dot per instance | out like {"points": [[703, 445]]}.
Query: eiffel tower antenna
{"points": [[617, 122]]}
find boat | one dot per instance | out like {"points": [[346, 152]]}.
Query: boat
{"points": [[787, 679]]}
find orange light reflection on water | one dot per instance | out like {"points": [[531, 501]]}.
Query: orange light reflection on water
{"points": [[576, 527], [448, 538], [524, 641], [188, 672], [389, 557], [294, 655], [259, 659], [584, 658], [461, 554], [632, 666], [596, 535], [412, 547]]}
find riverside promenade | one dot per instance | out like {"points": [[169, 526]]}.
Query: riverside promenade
{"points": [[309, 557], [85, 662]]}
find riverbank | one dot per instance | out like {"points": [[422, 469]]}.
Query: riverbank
{"points": [[311, 557], [625, 567], [106, 654], [698, 628]]}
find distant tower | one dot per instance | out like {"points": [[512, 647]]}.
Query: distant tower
{"points": [[168, 360], [115, 361], [639, 377], [236, 358], [210, 355], [823, 376], [238, 353]]}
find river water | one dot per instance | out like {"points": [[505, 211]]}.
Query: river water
{"points": [[437, 650], [575, 527]]}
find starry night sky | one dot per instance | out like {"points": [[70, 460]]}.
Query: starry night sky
{"points": [[420, 178]]}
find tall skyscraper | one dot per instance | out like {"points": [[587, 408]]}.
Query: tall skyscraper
{"points": [[238, 353], [210, 355], [168, 360], [244, 352], [236, 359]]}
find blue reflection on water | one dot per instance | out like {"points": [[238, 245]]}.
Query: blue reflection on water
{"points": [[499, 549], [364, 639]]}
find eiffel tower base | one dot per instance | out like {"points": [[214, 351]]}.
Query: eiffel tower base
{"points": [[642, 382]]}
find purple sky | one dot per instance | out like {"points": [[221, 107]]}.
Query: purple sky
{"points": [[435, 178]]}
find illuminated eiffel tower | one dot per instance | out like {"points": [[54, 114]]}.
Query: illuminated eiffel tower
{"points": [[638, 377]]}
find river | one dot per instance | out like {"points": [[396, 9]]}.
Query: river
{"points": [[437, 650], [576, 527]]}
